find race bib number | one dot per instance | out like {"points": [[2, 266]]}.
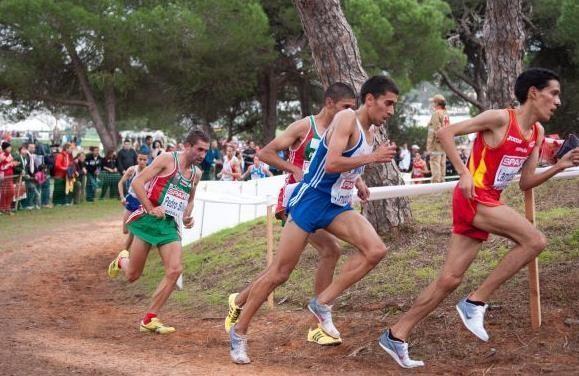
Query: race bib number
{"points": [[342, 192], [508, 169], [175, 201]]}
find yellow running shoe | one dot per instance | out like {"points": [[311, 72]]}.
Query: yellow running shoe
{"points": [[321, 338], [233, 314], [114, 269], [156, 326]]}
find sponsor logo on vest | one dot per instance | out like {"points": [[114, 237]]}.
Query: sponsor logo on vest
{"points": [[522, 150], [177, 193], [514, 139]]}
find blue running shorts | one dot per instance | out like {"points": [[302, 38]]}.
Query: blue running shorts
{"points": [[311, 209]]}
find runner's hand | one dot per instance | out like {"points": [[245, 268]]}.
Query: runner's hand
{"points": [[188, 222], [123, 202], [570, 159], [158, 211], [363, 192], [466, 185], [298, 174], [384, 153]]}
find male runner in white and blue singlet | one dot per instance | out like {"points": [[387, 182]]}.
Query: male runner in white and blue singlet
{"points": [[323, 200]]}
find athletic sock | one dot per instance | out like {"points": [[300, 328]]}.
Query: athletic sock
{"points": [[148, 317], [391, 336], [475, 302]]}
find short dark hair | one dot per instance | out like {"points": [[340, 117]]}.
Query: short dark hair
{"points": [[142, 152], [149, 137], [537, 77], [23, 146], [338, 91], [195, 135], [126, 140], [378, 85]]}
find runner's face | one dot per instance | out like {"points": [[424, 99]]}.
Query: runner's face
{"points": [[548, 100], [196, 153], [342, 104], [381, 108], [142, 160]]}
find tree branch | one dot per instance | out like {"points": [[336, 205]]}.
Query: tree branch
{"points": [[458, 92], [469, 81]]}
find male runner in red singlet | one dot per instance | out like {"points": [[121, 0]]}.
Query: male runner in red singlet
{"points": [[508, 141], [302, 139], [167, 202]]}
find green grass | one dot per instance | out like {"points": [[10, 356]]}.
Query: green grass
{"points": [[36, 221]]}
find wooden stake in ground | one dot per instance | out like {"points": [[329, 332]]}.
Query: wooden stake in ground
{"points": [[269, 235], [534, 288]]}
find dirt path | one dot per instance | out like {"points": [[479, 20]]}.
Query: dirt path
{"points": [[63, 316]]}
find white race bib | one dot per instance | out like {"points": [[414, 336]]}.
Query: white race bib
{"points": [[342, 193], [175, 201], [508, 169]]}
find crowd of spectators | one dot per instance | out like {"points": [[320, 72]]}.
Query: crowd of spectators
{"points": [[416, 163], [37, 175]]}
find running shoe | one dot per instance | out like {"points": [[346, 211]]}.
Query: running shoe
{"points": [[238, 350], [323, 313], [179, 283], [114, 268], [398, 351], [233, 314], [472, 316], [321, 338], [156, 326]]}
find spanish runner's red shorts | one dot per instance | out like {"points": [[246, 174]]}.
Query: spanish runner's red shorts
{"points": [[464, 211]]}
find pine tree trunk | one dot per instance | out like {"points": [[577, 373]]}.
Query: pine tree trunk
{"points": [[337, 58], [504, 39]]}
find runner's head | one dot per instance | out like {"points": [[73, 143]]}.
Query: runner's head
{"points": [[337, 97], [229, 151], [195, 146], [142, 159], [540, 88], [379, 94]]}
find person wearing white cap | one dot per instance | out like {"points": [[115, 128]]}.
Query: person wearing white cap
{"points": [[438, 120]]}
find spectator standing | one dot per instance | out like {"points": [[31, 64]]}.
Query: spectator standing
{"points": [[110, 176], [62, 162], [248, 155], [212, 159], [93, 164], [157, 149], [146, 148], [436, 153], [7, 164], [405, 158], [231, 167], [80, 182], [126, 157], [26, 170], [47, 167], [37, 177]]}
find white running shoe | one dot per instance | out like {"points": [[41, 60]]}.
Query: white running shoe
{"points": [[323, 313], [238, 350], [398, 351], [179, 283], [472, 316]]}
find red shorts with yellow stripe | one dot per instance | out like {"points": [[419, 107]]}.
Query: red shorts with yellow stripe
{"points": [[464, 211]]}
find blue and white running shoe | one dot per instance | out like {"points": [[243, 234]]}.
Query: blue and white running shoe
{"points": [[398, 351], [323, 313], [238, 350], [473, 316]]}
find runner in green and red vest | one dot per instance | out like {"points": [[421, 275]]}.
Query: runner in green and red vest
{"points": [[165, 204], [302, 139]]}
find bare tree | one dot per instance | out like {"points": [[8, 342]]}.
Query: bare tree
{"points": [[337, 59]]}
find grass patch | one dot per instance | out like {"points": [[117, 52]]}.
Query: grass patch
{"points": [[45, 219]]}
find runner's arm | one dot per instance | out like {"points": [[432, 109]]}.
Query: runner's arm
{"points": [[188, 213], [363, 191], [530, 179], [244, 175], [121, 186], [284, 141], [154, 169], [488, 120], [344, 125]]}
